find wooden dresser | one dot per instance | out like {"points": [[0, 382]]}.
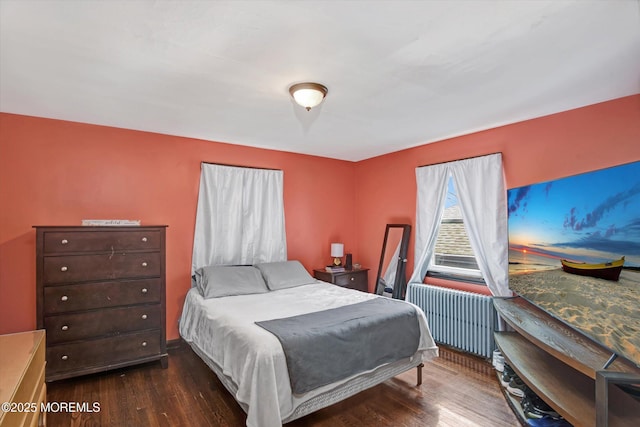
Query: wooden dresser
{"points": [[22, 387], [100, 295], [353, 279]]}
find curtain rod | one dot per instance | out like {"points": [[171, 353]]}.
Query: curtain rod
{"points": [[457, 160], [238, 166]]}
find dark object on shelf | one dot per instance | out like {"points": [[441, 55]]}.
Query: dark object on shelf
{"points": [[507, 375], [348, 263], [548, 421], [534, 407], [517, 387]]}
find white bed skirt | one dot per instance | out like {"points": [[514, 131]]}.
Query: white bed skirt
{"points": [[340, 392]]}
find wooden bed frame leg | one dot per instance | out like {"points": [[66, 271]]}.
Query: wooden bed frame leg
{"points": [[419, 369]]}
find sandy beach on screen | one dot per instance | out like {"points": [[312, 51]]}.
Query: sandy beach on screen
{"points": [[606, 311]]}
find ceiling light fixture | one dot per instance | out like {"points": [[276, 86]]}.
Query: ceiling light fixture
{"points": [[308, 94]]}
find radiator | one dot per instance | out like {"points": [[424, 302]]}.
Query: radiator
{"points": [[459, 319]]}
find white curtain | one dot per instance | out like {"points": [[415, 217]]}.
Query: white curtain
{"points": [[482, 196], [432, 191], [483, 202], [240, 217]]}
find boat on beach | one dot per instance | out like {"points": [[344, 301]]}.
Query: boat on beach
{"points": [[606, 270]]}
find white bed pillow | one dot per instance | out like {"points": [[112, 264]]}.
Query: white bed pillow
{"points": [[217, 281], [284, 274]]}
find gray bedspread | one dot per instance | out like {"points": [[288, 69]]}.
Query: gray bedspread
{"points": [[327, 346]]}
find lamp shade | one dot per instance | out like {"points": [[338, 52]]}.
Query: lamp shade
{"points": [[309, 94], [337, 250]]}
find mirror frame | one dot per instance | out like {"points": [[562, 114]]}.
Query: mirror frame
{"points": [[400, 281]]}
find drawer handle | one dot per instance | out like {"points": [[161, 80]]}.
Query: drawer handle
{"points": [[64, 241], [64, 298], [65, 328], [144, 264], [144, 239], [352, 279], [144, 290], [64, 268], [144, 317], [65, 357], [144, 343]]}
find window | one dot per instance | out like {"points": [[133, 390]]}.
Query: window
{"points": [[454, 258]]}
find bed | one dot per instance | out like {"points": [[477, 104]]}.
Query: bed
{"points": [[220, 326]]}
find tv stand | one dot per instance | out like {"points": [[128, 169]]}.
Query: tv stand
{"points": [[568, 370]]}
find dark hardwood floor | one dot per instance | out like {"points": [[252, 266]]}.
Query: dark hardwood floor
{"points": [[457, 390]]}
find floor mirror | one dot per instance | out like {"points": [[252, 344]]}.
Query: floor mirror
{"points": [[391, 279]]}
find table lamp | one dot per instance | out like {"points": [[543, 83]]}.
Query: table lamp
{"points": [[337, 251]]}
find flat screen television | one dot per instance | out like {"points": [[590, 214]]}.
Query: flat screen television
{"points": [[574, 251]]}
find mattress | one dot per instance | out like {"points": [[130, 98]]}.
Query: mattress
{"points": [[250, 361]]}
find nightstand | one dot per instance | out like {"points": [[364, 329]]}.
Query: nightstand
{"points": [[354, 279]]}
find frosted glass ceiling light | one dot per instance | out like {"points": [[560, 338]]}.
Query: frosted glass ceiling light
{"points": [[308, 95]]}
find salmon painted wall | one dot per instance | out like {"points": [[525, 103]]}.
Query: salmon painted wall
{"points": [[541, 149], [57, 173]]}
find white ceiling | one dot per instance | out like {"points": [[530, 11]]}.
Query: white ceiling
{"points": [[399, 73]]}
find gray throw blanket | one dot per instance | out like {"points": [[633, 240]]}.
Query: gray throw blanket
{"points": [[330, 345]]}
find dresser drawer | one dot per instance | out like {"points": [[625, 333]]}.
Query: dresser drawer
{"points": [[101, 241], [353, 281], [87, 296], [102, 352], [110, 321], [72, 268]]}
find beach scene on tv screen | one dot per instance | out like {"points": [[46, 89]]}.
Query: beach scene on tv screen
{"points": [[574, 250]]}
